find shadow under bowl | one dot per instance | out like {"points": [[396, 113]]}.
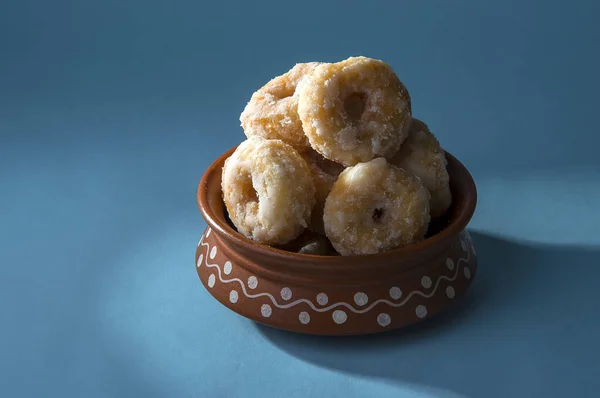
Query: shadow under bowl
{"points": [[337, 295]]}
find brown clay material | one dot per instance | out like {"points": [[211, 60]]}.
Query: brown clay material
{"points": [[338, 295]]}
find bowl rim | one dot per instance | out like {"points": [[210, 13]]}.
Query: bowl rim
{"points": [[220, 225]]}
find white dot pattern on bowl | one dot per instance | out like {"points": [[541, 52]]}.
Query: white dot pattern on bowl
{"points": [[304, 317], [286, 293], [252, 282], [384, 319], [395, 293], [360, 299], [470, 241], [421, 311], [426, 282], [467, 273], [233, 296], [266, 310], [339, 316], [322, 299]]}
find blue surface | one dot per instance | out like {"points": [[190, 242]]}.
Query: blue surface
{"points": [[110, 111]]}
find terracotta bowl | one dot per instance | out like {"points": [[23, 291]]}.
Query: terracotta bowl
{"points": [[335, 295]]}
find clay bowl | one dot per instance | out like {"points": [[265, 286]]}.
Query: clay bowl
{"points": [[335, 295]]}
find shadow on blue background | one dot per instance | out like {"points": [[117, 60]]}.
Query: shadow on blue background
{"points": [[524, 309]]}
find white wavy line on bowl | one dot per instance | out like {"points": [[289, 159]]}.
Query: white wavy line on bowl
{"points": [[339, 304]]}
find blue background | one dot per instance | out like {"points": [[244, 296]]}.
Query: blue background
{"points": [[110, 111]]}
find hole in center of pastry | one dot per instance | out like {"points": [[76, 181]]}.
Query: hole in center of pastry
{"points": [[287, 94], [253, 196], [354, 105], [377, 214], [250, 194], [283, 91]]}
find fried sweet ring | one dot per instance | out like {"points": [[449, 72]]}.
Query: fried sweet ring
{"points": [[422, 155], [354, 110], [375, 207], [268, 191], [272, 111]]}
